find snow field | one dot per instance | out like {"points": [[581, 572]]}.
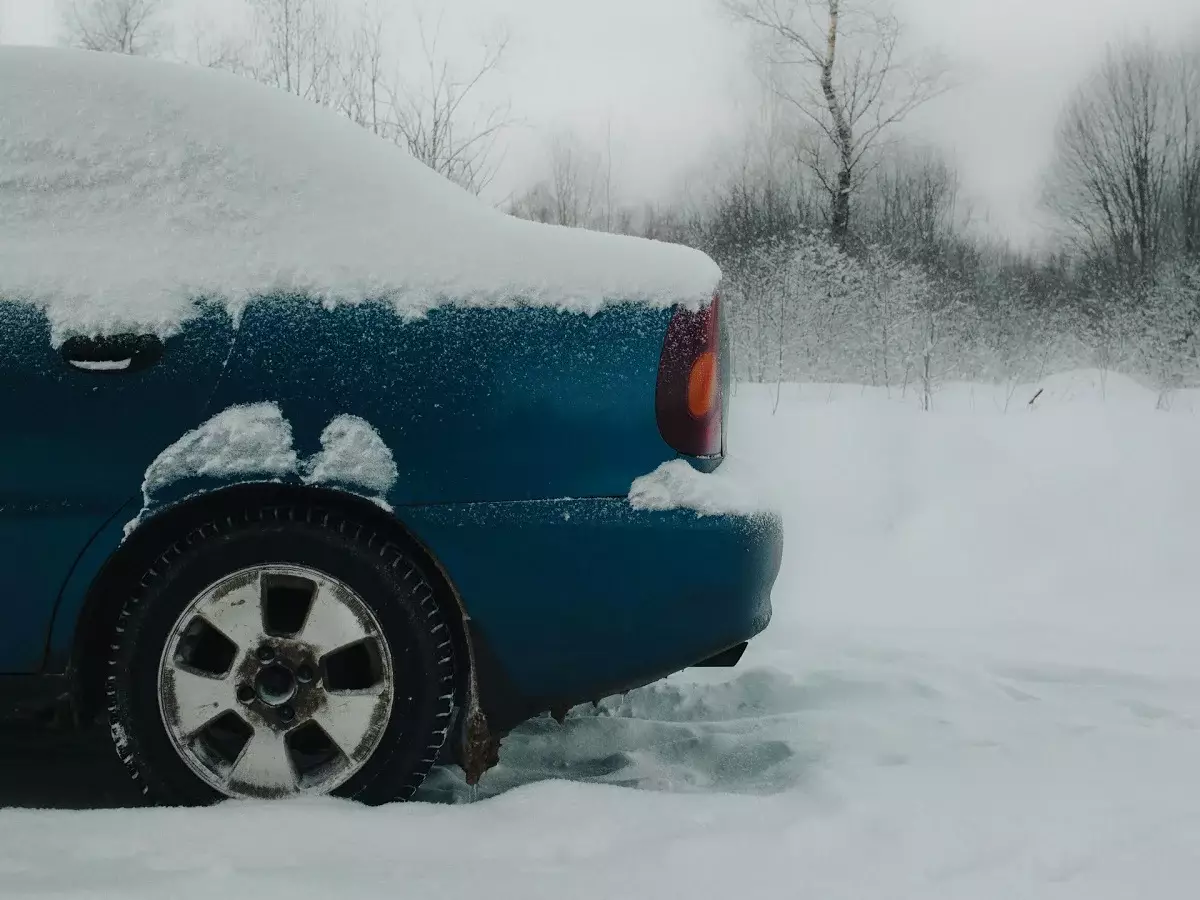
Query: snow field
{"points": [[981, 682]]}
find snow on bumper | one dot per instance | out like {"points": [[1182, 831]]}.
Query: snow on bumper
{"points": [[732, 490]]}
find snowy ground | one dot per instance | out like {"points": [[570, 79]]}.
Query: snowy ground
{"points": [[981, 682]]}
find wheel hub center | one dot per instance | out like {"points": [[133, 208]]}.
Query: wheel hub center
{"points": [[275, 684]]}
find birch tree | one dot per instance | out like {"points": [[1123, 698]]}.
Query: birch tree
{"points": [[839, 65]]}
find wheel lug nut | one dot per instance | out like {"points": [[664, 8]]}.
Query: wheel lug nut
{"points": [[287, 713], [265, 653], [245, 693], [304, 674]]}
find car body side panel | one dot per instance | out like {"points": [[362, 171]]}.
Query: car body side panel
{"points": [[42, 546], [71, 598], [517, 434], [76, 445], [476, 404]]}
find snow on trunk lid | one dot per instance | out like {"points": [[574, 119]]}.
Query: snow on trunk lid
{"points": [[129, 188]]}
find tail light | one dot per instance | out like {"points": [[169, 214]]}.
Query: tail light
{"points": [[688, 400]]}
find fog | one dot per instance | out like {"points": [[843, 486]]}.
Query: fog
{"points": [[673, 81]]}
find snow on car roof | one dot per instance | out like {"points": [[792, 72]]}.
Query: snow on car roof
{"points": [[129, 188]]}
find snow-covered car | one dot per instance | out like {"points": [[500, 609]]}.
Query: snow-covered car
{"points": [[315, 469]]}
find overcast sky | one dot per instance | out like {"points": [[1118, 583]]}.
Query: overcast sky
{"points": [[672, 77]]}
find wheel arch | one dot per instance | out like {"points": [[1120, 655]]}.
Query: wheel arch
{"points": [[106, 594]]}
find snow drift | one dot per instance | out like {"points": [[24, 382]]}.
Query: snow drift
{"points": [[129, 188]]}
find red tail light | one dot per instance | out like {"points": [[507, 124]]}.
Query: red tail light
{"points": [[688, 400]]}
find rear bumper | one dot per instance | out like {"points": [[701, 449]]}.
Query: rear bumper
{"points": [[573, 600]]}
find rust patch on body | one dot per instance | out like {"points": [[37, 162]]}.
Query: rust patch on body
{"points": [[480, 749]]}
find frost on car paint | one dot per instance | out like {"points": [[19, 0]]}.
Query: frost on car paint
{"points": [[730, 490], [254, 439], [169, 185], [352, 453]]}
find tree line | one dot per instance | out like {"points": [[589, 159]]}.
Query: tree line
{"points": [[847, 250], [849, 255]]}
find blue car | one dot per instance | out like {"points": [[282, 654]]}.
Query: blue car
{"points": [[317, 471]]}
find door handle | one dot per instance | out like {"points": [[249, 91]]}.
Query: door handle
{"points": [[115, 354]]}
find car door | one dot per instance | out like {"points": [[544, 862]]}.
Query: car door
{"points": [[79, 424]]}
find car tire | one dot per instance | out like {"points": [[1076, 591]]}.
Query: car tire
{"points": [[171, 668]]}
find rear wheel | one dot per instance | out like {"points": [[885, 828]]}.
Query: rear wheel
{"points": [[285, 651]]}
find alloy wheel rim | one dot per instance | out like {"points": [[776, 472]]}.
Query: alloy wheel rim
{"points": [[276, 681]]}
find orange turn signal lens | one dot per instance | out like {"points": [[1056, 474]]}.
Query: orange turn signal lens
{"points": [[702, 385]]}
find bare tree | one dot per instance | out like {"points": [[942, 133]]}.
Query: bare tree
{"points": [[837, 63], [1114, 157], [214, 45], [536, 204], [1186, 80], [133, 27], [366, 91], [575, 180], [437, 118], [348, 63], [608, 175], [217, 53], [573, 191], [297, 47], [911, 202]]}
